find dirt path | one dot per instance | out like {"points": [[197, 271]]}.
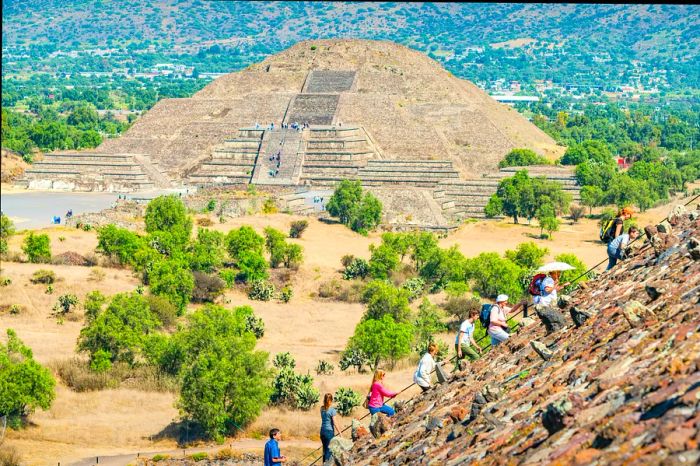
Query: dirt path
{"points": [[293, 449]]}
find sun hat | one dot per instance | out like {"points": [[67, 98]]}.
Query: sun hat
{"points": [[501, 298]]}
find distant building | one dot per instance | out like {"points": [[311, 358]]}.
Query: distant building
{"points": [[516, 98]]}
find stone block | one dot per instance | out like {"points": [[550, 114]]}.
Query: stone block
{"points": [[542, 350], [552, 319], [637, 313]]}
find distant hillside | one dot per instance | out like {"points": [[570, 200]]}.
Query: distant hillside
{"points": [[599, 42]]}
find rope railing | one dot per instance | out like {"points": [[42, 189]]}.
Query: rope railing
{"points": [[488, 345]]}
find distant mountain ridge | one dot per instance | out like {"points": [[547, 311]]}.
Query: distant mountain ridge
{"points": [[569, 36]]}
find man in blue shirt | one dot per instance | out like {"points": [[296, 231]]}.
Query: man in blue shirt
{"points": [[272, 449]]}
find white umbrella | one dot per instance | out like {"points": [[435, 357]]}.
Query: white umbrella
{"points": [[554, 266]]}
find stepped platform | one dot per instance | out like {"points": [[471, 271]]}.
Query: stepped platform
{"points": [[280, 158], [80, 171], [314, 109], [230, 163], [329, 81]]}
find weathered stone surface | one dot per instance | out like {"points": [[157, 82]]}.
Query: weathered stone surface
{"points": [[339, 447], [458, 413], [542, 350], [579, 316], [617, 395], [378, 424], [526, 321], [552, 318], [358, 430]]}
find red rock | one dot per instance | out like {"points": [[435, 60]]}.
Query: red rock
{"points": [[458, 413], [586, 457]]}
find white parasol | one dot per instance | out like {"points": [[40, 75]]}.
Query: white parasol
{"points": [[554, 266]]}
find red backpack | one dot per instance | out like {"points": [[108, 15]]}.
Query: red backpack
{"points": [[535, 288]]}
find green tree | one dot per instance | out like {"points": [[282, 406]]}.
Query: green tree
{"points": [[367, 215], [588, 150], [7, 229], [83, 116], [527, 255], [579, 268], [382, 338], [547, 217], [361, 212], [120, 330], [491, 275], [24, 384], [207, 252], [244, 240], [169, 214], [383, 261], [276, 245], [521, 158], [252, 266], [382, 298], [172, 280], [218, 354], [293, 256], [119, 243], [591, 196], [37, 248], [429, 321]]}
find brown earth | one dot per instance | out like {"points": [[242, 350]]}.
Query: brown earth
{"points": [[12, 166], [121, 421]]}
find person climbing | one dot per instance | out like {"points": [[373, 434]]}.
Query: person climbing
{"points": [[328, 426], [548, 293], [498, 328], [465, 339], [425, 367], [616, 247], [272, 454], [375, 402], [615, 227]]}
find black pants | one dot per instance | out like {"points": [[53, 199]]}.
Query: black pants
{"points": [[325, 440]]}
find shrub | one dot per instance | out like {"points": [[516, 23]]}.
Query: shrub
{"points": [[211, 205], [65, 303], [242, 240], [119, 243], [347, 260], [26, 385], [459, 306], [286, 294], [252, 266], [306, 396], [5, 281], [275, 245], [44, 276], [359, 211], [163, 309], [297, 228], [206, 287], [159, 457], [215, 347], [207, 252], [346, 400], [284, 361], [353, 357], [261, 290], [201, 456], [456, 289], [521, 158], [576, 212], [358, 268], [49, 289], [37, 248], [414, 286], [204, 222], [383, 261], [228, 276], [96, 275], [492, 275], [255, 325], [293, 256], [269, 206], [579, 268], [324, 367], [93, 303], [7, 229], [422, 347]]}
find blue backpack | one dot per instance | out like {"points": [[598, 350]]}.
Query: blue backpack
{"points": [[485, 315]]}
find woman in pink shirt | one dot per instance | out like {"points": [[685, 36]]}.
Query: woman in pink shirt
{"points": [[377, 394]]}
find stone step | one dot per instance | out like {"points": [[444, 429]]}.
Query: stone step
{"points": [[435, 171], [90, 157], [323, 152], [408, 163], [396, 174]]}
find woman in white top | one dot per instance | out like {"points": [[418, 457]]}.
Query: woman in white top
{"points": [[426, 367]]}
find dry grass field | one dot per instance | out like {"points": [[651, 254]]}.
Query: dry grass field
{"points": [[118, 421]]}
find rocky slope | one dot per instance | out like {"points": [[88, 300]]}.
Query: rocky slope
{"points": [[616, 380]]}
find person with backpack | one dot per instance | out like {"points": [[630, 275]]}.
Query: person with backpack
{"points": [[426, 366], [328, 426], [548, 293], [616, 248], [377, 392], [615, 227], [498, 321], [465, 340]]}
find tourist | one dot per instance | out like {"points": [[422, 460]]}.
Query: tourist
{"points": [[616, 247], [272, 449], [548, 293], [498, 328], [375, 402], [465, 339], [617, 226], [426, 366], [328, 427]]}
